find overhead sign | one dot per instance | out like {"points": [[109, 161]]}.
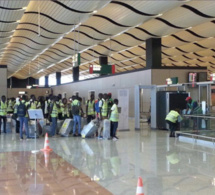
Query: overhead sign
{"points": [[104, 69], [76, 60]]}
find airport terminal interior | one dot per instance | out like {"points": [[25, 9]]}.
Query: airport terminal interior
{"points": [[107, 97]]}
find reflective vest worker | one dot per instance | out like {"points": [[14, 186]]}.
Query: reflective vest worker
{"points": [[172, 118], [114, 118], [90, 109], [3, 113], [64, 108]]}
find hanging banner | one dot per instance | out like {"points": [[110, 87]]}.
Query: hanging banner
{"points": [[123, 97]]}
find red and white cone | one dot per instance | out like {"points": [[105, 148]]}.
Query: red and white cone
{"points": [[139, 187], [46, 157], [46, 144]]}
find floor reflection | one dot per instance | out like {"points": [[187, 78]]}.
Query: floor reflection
{"points": [[27, 173]]}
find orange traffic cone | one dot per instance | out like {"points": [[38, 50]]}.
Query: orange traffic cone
{"points": [[139, 187], [46, 144], [46, 157]]}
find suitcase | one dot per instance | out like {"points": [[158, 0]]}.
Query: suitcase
{"points": [[59, 125], [66, 128], [31, 129], [46, 129], [106, 129], [83, 122], [90, 129]]}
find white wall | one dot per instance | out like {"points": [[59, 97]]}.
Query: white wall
{"points": [[14, 92]]}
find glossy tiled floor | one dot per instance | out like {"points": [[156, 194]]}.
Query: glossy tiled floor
{"points": [[91, 166]]}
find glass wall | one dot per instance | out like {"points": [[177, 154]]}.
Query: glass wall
{"points": [[52, 79], [42, 81]]}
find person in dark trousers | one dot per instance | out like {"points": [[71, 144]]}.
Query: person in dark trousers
{"points": [[22, 108], [76, 111], [172, 118], [90, 108], [53, 114], [114, 118], [3, 113]]}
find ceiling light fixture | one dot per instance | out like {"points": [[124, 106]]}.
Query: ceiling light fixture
{"points": [[66, 69], [95, 11], [24, 8], [40, 70], [50, 66], [159, 15], [18, 21]]}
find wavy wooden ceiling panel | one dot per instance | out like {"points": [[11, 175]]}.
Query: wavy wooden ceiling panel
{"points": [[127, 23]]}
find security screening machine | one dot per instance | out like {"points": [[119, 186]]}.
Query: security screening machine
{"points": [[35, 114]]}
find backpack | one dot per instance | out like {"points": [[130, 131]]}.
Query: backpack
{"points": [[75, 109], [21, 110]]}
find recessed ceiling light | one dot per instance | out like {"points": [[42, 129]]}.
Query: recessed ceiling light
{"points": [[18, 21], [189, 27], [95, 11], [158, 15], [24, 8]]}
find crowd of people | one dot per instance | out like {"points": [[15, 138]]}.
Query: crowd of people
{"points": [[57, 108]]}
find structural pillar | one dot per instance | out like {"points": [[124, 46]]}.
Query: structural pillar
{"points": [[153, 53], [76, 73], [47, 81], [58, 78]]}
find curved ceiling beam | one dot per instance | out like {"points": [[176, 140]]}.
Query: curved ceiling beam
{"points": [[131, 53], [147, 32], [55, 53], [23, 37], [12, 9], [17, 52], [87, 35], [66, 46], [96, 30], [133, 36], [132, 8], [107, 48], [96, 52], [169, 24], [35, 32], [196, 11], [119, 43], [70, 9], [201, 46], [8, 22], [25, 45], [47, 16], [180, 39], [195, 34], [142, 47], [20, 49], [61, 51], [111, 21], [32, 24], [181, 50], [123, 55], [76, 41], [49, 57], [15, 55]]}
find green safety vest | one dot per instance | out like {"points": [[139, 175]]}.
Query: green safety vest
{"points": [[76, 103], [59, 109], [114, 117], [172, 116], [33, 105], [90, 107], [54, 111], [10, 106], [3, 109], [64, 110], [105, 108]]}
